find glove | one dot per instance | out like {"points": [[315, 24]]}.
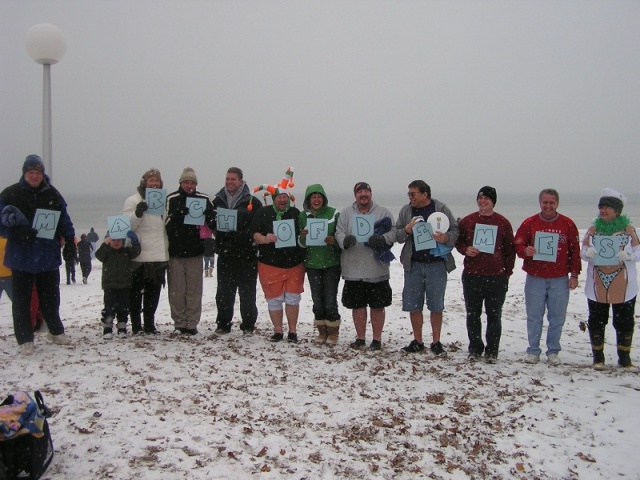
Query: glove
{"points": [[377, 241], [8, 216], [624, 256], [24, 233], [132, 235], [349, 241], [141, 208], [590, 253]]}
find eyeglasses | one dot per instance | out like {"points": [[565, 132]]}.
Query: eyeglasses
{"points": [[413, 194]]}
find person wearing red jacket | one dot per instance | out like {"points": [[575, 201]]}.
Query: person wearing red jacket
{"points": [[548, 242]]}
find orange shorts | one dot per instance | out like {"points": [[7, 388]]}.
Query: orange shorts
{"points": [[276, 281]]}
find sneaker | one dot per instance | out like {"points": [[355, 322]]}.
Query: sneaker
{"points": [[474, 357], [277, 337], [107, 333], [292, 337], [438, 350], [223, 330], [61, 339], [600, 366], [191, 331], [375, 346], [358, 344], [122, 333], [413, 347], [180, 330], [491, 359], [84, 280], [531, 359], [247, 330], [150, 331], [553, 359], [27, 349]]}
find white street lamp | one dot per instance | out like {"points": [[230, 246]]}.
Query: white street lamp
{"points": [[46, 45]]}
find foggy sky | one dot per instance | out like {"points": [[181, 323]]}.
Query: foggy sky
{"points": [[521, 95]]}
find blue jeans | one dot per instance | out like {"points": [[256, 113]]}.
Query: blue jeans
{"points": [[552, 294], [424, 280]]}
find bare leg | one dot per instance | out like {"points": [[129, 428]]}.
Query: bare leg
{"points": [[360, 322], [377, 323], [416, 324], [292, 317], [276, 319], [436, 325]]}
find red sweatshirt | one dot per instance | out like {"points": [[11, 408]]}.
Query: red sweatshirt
{"points": [[568, 259]]}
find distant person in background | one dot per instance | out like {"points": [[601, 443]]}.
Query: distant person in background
{"points": [[32, 258], [116, 281], [425, 271], [614, 286], [93, 238], [149, 268], [548, 282], [323, 265], [70, 257], [5, 272], [485, 279], [185, 254], [85, 252], [237, 270], [365, 266]]}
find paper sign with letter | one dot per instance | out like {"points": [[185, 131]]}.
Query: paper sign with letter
{"points": [[362, 227], [196, 208], [484, 237], [439, 221], [607, 249], [423, 236], [317, 229], [118, 226], [227, 220], [46, 222], [285, 230], [546, 245], [156, 199]]}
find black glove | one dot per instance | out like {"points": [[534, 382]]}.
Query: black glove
{"points": [[24, 233], [376, 241], [349, 241], [182, 211], [141, 208]]}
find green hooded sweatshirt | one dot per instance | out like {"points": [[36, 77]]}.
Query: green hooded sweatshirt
{"points": [[321, 256]]}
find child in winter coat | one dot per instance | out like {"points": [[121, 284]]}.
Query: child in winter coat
{"points": [[116, 282]]}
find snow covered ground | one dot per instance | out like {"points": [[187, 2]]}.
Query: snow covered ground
{"points": [[235, 406]]}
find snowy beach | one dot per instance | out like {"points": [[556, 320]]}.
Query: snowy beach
{"points": [[235, 406]]}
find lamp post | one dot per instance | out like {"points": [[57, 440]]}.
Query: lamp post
{"points": [[46, 45]]}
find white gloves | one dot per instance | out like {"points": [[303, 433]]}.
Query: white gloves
{"points": [[590, 252], [624, 256]]}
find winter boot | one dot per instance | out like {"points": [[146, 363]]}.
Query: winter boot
{"points": [[321, 325], [333, 331], [624, 349], [596, 335], [149, 326]]}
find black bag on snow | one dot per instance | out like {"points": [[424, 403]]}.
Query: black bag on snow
{"points": [[27, 455]]}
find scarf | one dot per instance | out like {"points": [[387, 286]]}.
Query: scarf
{"points": [[609, 228]]}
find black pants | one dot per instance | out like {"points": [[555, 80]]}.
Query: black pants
{"points": [[116, 305], [48, 288], [85, 266], [491, 291], [147, 282], [70, 266], [239, 275]]}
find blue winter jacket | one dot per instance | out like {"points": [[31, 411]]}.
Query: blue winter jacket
{"points": [[41, 254]]}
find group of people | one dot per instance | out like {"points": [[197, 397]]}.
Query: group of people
{"points": [[273, 244]]}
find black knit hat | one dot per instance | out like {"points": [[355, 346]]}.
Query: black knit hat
{"points": [[488, 192], [33, 162]]}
